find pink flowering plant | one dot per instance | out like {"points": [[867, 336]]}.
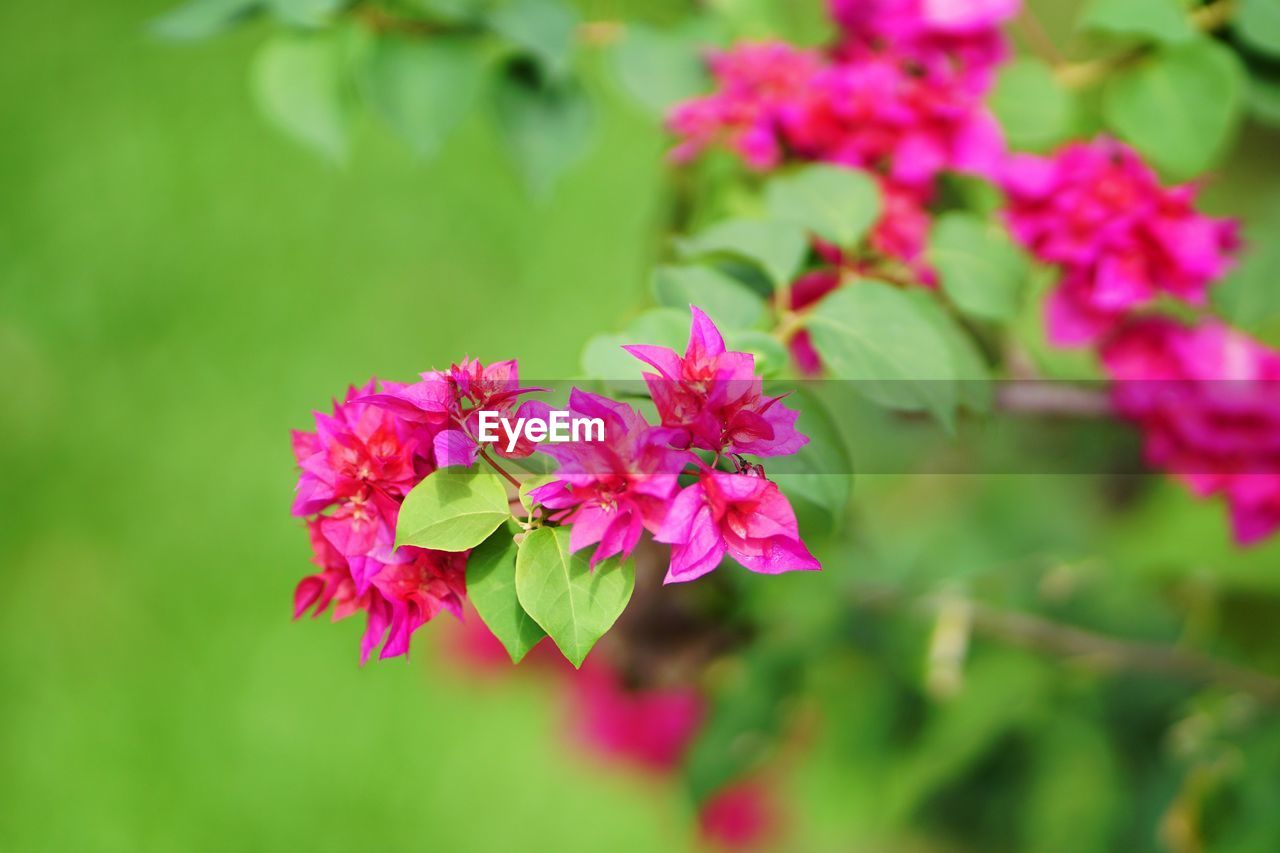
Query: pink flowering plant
{"points": [[952, 224], [404, 501]]}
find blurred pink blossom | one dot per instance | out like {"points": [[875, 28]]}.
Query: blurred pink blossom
{"points": [[1120, 239], [1207, 399]]}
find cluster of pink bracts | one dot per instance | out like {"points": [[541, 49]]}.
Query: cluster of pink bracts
{"points": [[361, 462], [900, 95]]}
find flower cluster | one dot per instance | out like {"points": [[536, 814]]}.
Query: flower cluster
{"points": [[357, 467], [901, 96], [1206, 399], [1099, 214], [708, 399], [944, 39], [379, 443]]}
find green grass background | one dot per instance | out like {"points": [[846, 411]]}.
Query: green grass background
{"points": [[180, 286]]}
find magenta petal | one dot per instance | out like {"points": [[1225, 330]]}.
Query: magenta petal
{"points": [[454, 447]]}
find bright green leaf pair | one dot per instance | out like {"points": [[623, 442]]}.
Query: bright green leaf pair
{"points": [[533, 588]]}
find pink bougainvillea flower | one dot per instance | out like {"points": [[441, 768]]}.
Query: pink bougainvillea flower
{"points": [[744, 815], [757, 82], [953, 40], [405, 594], [415, 586], [1207, 399], [358, 450], [742, 515], [649, 728], [713, 398], [874, 114], [357, 468], [446, 404], [611, 490], [1098, 212]]}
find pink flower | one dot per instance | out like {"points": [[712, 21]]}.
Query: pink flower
{"points": [[357, 468], [875, 114], [946, 39], [757, 82], [446, 406], [741, 816], [647, 727], [611, 490], [1207, 399], [713, 398], [742, 515], [355, 452], [1120, 239]]}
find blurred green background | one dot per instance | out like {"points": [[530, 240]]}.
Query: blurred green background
{"points": [[180, 285]]}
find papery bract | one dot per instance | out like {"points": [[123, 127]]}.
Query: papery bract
{"points": [[446, 404], [611, 490], [744, 516], [1207, 399], [1120, 239], [357, 468], [713, 398]]}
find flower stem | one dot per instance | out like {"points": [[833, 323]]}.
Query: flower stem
{"points": [[495, 466]]}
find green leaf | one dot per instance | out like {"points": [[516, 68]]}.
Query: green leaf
{"points": [[874, 334], [1150, 20], [1180, 107], [658, 69], [572, 603], [543, 28], [839, 205], [1257, 23], [300, 85], [200, 19], [778, 248], [726, 300], [981, 270], [453, 509], [423, 88], [973, 375], [304, 13], [491, 587], [546, 128], [1032, 107]]}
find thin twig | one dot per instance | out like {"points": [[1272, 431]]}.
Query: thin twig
{"points": [[1037, 37], [1052, 399], [1103, 652]]}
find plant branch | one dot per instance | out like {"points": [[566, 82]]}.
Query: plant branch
{"points": [[1052, 399], [1037, 37], [504, 472], [1078, 75], [1101, 651]]}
